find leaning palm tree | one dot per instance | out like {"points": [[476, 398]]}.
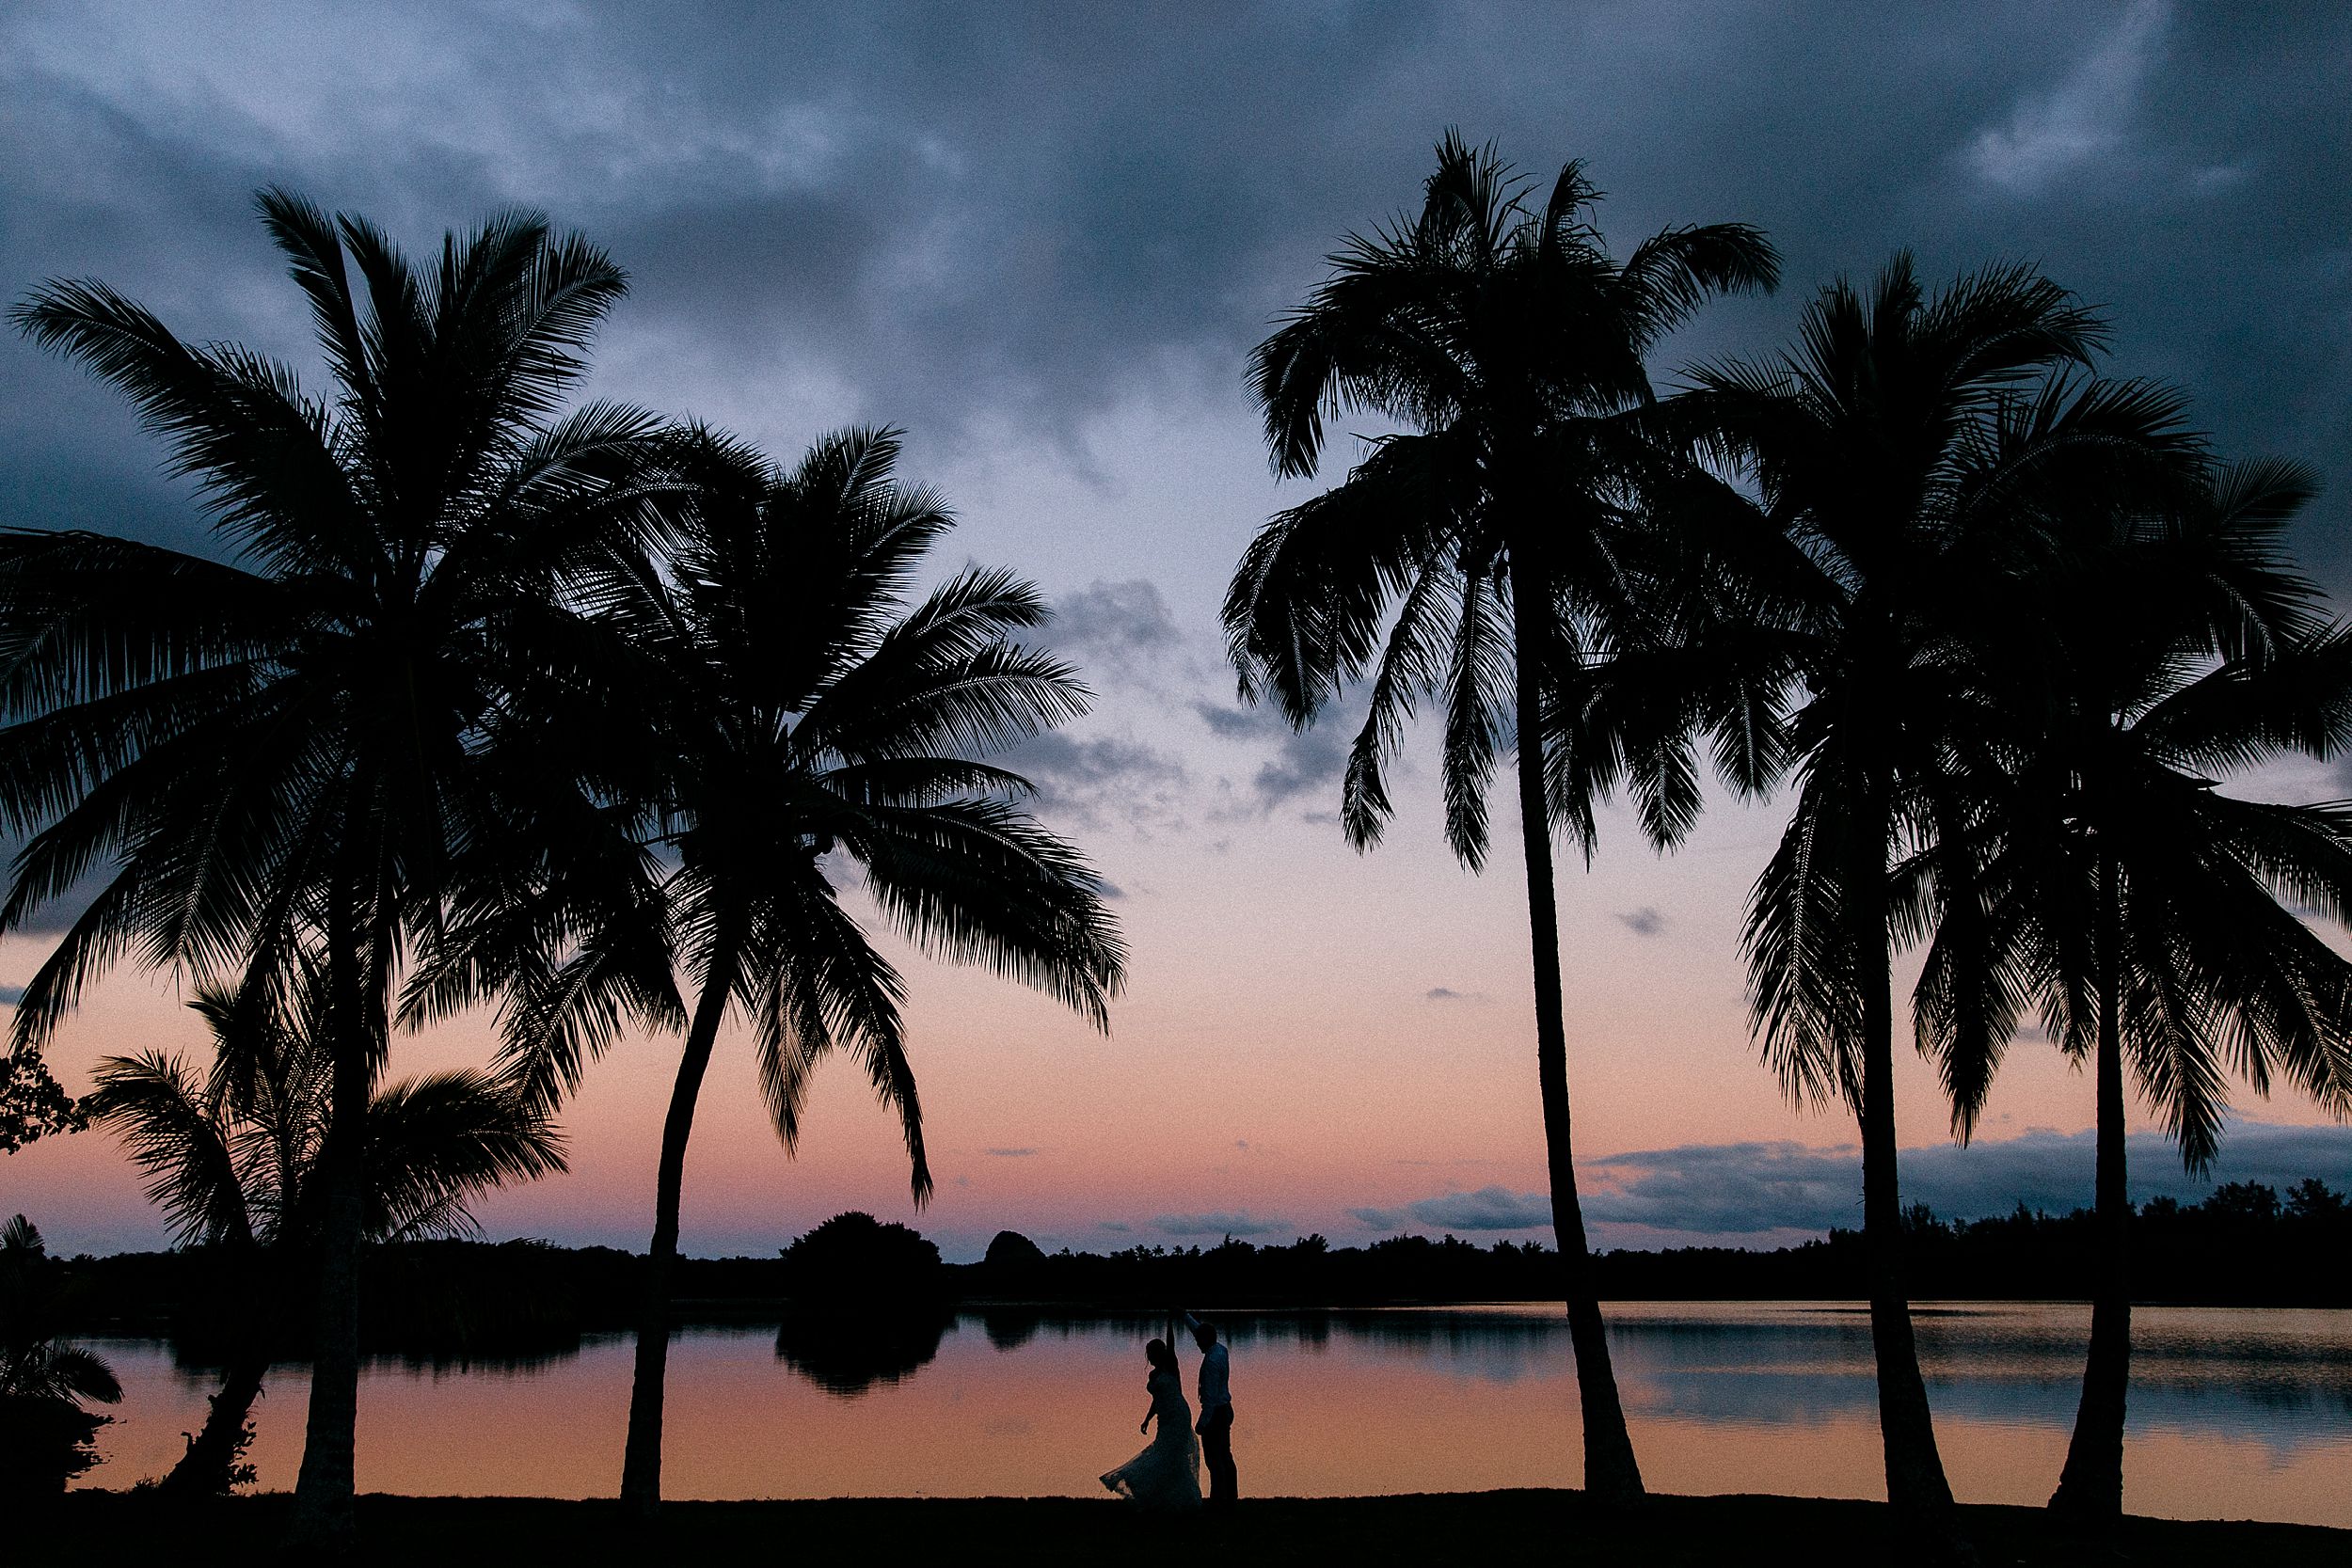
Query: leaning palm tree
{"points": [[283, 745], [790, 715], [1496, 533], [1910, 532], [2114, 884], [233, 1154], [44, 1432]]}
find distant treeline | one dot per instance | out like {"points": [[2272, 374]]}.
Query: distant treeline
{"points": [[2243, 1245]]}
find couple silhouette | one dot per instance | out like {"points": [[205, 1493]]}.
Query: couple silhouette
{"points": [[1166, 1474]]}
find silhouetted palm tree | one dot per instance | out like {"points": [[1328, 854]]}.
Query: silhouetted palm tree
{"points": [[1908, 454], [44, 1432], [233, 1157], [2116, 887], [1497, 531], [286, 746], [792, 715]]}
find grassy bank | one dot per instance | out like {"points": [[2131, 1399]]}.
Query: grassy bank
{"points": [[91, 1528]]}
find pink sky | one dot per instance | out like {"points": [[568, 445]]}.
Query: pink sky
{"points": [[1277, 1062]]}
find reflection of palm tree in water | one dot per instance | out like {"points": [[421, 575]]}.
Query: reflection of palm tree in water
{"points": [[45, 1433], [233, 1154]]}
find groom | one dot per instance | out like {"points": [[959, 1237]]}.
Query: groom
{"points": [[1215, 1425]]}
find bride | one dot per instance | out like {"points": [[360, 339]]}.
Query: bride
{"points": [[1166, 1474]]}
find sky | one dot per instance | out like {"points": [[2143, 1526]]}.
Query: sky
{"points": [[1042, 241]]}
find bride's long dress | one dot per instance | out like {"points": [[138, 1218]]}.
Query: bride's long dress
{"points": [[1166, 1474]]}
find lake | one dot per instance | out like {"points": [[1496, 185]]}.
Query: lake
{"points": [[2234, 1414]]}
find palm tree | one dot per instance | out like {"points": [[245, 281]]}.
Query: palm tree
{"points": [[233, 1158], [790, 715], [285, 747], [2138, 905], [1495, 532], [1907, 529], [44, 1432]]}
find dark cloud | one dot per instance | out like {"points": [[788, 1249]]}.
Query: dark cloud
{"points": [[1447, 993], [1745, 1188], [1306, 763], [1218, 1224], [11, 995], [1643, 921], [1488, 1208], [1116, 1227], [963, 220], [1012, 1153], [1006, 221], [1101, 780], [1117, 628]]}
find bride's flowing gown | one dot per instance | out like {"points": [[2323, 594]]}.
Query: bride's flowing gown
{"points": [[1166, 1474]]}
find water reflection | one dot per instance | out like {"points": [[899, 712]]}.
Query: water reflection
{"points": [[2238, 1413], [846, 1353]]}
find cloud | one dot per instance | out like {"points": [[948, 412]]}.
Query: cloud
{"points": [[2083, 118], [1218, 1224], [1486, 1209], [1119, 629], [11, 995], [1105, 779], [1012, 1153], [1116, 1227], [1747, 1188], [980, 224], [1306, 763], [1643, 921], [1447, 993]]}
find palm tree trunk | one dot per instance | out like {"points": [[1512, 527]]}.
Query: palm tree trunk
{"points": [[1915, 1482], [641, 1460], [1611, 1475], [2091, 1485], [322, 1490], [206, 1469]]}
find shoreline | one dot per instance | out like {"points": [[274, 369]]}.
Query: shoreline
{"points": [[101, 1527]]}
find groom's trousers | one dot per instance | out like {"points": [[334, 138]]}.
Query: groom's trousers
{"points": [[1216, 1453]]}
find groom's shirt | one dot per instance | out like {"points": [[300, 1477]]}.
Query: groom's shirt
{"points": [[1214, 1389]]}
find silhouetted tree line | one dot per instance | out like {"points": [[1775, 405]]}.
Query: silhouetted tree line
{"points": [[2243, 1245], [2246, 1244]]}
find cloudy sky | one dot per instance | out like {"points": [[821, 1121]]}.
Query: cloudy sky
{"points": [[1044, 240]]}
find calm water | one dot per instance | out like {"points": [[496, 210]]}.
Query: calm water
{"points": [[2234, 1413]]}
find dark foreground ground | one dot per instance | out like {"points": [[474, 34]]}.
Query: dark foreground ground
{"points": [[91, 1528]]}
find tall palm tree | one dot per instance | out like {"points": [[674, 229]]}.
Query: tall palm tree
{"points": [[792, 716], [2117, 887], [286, 746], [44, 1432], [1496, 532], [233, 1152], [1907, 530]]}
